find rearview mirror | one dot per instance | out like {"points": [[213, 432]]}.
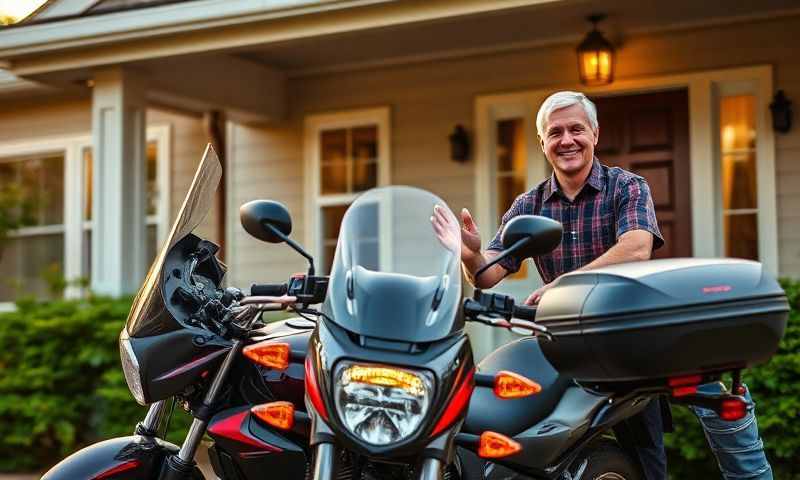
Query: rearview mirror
{"points": [[527, 236], [258, 215], [543, 234]]}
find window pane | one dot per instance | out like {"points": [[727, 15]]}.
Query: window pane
{"points": [[511, 169], [334, 178], [737, 123], [151, 159], [26, 264], [333, 146], [331, 221], [739, 181], [365, 175], [87, 183], [365, 143], [151, 180], [511, 146], [741, 236]]}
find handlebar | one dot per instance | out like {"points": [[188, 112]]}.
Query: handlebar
{"points": [[269, 289], [524, 312], [498, 310]]}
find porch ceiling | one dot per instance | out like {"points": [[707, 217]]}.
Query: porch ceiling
{"points": [[508, 29]]}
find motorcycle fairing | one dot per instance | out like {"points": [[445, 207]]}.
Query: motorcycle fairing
{"points": [[243, 448]]}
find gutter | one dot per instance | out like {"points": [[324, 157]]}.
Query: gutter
{"points": [[93, 30]]}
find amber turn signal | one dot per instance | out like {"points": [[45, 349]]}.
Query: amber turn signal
{"points": [[270, 354], [513, 385], [496, 445], [277, 414]]}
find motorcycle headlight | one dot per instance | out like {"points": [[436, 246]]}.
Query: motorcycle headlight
{"points": [[130, 366], [379, 404]]}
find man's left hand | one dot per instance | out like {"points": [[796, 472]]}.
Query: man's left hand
{"points": [[534, 297]]}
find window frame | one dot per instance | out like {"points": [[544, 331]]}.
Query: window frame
{"points": [[314, 125], [74, 226]]}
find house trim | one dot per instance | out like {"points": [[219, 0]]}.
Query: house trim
{"points": [[314, 124], [99, 37], [704, 156]]}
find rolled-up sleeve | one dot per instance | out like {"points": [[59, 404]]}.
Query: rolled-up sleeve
{"points": [[511, 263], [635, 210]]}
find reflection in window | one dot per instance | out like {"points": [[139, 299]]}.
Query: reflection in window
{"points": [[348, 160], [511, 171], [32, 257], [738, 176]]}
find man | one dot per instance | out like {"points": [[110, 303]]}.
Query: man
{"points": [[608, 218]]}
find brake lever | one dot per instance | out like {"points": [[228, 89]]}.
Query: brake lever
{"points": [[530, 328]]}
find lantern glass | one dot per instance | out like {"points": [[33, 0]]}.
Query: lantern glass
{"points": [[596, 60]]}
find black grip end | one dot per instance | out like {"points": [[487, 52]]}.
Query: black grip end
{"points": [[268, 289]]}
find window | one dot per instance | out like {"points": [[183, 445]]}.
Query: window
{"points": [[347, 153], [511, 170], [32, 189], [53, 184], [737, 132]]}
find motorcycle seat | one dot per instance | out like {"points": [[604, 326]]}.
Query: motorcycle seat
{"points": [[510, 417]]}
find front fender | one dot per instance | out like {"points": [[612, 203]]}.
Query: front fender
{"points": [[125, 458]]}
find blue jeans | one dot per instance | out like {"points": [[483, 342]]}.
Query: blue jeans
{"points": [[736, 445]]}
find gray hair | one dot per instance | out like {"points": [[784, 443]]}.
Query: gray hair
{"points": [[561, 100]]}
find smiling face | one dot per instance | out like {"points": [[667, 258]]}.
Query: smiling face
{"points": [[569, 141]]}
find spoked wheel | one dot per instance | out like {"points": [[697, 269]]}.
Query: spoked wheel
{"points": [[604, 460]]}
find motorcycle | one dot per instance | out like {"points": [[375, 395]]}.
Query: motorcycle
{"points": [[380, 381]]}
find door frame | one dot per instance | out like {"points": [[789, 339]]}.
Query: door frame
{"points": [[704, 90]]}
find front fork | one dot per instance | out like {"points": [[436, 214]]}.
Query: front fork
{"points": [[181, 466]]}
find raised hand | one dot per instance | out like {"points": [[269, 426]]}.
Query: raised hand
{"points": [[470, 237], [445, 226]]}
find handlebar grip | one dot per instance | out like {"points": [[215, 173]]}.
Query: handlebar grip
{"points": [[268, 289], [524, 312]]}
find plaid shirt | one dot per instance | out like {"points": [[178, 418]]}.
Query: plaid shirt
{"points": [[613, 201]]}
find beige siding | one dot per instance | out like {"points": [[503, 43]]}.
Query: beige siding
{"points": [[428, 99]]}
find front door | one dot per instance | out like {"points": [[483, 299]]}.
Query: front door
{"points": [[648, 134]]}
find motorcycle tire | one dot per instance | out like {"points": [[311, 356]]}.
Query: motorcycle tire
{"points": [[605, 460]]}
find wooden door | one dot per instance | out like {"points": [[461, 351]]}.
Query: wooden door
{"points": [[648, 134]]}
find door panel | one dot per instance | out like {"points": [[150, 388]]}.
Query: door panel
{"points": [[648, 134]]}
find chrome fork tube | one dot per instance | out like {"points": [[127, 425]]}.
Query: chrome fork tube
{"points": [[324, 461], [431, 469], [198, 427], [155, 415]]}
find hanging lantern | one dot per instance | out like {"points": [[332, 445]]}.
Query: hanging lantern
{"points": [[595, 56]]}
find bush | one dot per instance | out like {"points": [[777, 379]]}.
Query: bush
{"points": [[775, 388], [62, 386]]}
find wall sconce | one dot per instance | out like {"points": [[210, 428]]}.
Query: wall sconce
{"points": [[459, 144], [595, 56], [781, 109]]}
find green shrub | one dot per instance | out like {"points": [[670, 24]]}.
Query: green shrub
{"points": [[775, 388], [61, 385]]}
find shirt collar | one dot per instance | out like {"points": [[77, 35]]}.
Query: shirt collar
{"points": [[595, 180]]}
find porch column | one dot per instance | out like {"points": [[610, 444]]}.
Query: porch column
{"points": [[118, 202]]}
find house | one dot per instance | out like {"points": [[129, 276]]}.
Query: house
{"points": [[107, 106]]}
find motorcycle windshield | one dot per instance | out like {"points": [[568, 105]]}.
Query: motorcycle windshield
{"points": [[393, 276], [149, 314]]}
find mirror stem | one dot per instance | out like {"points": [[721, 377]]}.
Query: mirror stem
{"points": [[294, 245], [519, 244]]}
